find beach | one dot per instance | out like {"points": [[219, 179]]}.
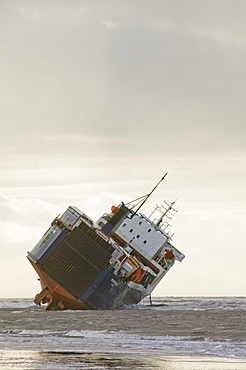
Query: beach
{"points": [[171, 334], [66, 360]]}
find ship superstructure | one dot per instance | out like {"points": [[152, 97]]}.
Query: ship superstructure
{"points": [[116, 261]]}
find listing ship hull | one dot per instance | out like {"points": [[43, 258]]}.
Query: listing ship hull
{"points": [[75, 273], [86, 265]]}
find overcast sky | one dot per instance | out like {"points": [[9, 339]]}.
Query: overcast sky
{"points": [[98, 99]]}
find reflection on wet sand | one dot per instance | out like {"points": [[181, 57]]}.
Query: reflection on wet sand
{"points": [[74, 360]]}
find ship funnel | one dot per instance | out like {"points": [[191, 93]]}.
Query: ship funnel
{"points": [[115, 221]]}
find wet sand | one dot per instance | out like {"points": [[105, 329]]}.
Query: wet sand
{"points": [[72, 360]]}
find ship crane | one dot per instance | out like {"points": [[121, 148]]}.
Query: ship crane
{"points": [[143, 199]]}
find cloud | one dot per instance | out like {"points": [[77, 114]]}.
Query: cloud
{"points": [[224, 38], [22, 218], [156, 80], [32, 13], [80, 139], [110, 25], [25, 207], [62, 12]]}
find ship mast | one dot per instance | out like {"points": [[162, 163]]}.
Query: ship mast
{"points": [[145, 197], [169, 208]]}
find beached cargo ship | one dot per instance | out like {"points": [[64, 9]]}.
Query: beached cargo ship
{"points": [[107, 264]]}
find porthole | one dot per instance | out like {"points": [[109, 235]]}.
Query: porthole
{"points": [[145, 241], [131, 230], [138, 236], [149, 230]]}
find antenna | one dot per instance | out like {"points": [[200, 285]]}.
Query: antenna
{"points": [[169, 208], [145, 197]]}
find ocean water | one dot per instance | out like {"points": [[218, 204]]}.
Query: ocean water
{"points": [[202, 326]]}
